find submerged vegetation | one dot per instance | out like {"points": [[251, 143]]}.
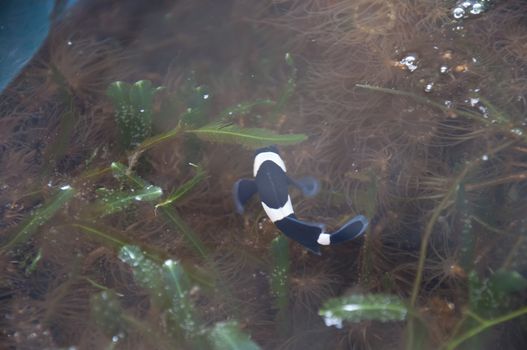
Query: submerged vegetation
{"points": [[121, 140]]}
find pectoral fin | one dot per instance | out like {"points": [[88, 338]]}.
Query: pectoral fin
{"points": [[242, 191], [308, 185]]}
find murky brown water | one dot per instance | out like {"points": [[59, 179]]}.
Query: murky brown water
{"points": [[414, 119]]}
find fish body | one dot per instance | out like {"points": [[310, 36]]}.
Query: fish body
{"points": [[271, 182]]}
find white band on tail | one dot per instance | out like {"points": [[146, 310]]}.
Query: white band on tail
{"points": [[323, 239]]}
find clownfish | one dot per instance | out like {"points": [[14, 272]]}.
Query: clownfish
{"points": [[272, 185]]}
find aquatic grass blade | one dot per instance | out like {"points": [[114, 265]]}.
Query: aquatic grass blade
{"points": [[109, 239], [357, 308], [228, 336], [31, 262], [289, 87], [114, 201], [280, 278], [184, 188], [120, 172], [181, 315], [425, 100], [497, 118], [174, 219], [169, 288], [39, 217], [483, 326], [154, 140], [244, 108], [248, 137], [366, 201], [467, 239]]}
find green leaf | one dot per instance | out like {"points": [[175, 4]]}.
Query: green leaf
{"points": [[357, 308], [488, 297], [195, 99], [248, 137], [118, 92], [39, 217], [185, 188], [227, 336], [133, 110], [507, 282], [114, 201]]}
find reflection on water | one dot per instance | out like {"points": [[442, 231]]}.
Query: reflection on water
{"points": [[115, 235]]}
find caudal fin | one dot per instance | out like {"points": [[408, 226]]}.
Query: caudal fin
{"points": [[351, 230]]}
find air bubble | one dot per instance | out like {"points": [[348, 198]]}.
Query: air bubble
{"points": [[428, 87], [517, 131], [458, 13], [469, 8]]}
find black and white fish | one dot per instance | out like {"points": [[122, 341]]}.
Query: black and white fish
{"points": [[272, 184]]}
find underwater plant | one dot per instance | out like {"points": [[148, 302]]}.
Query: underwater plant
{"points": [[133, 105], [145, 251]]}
